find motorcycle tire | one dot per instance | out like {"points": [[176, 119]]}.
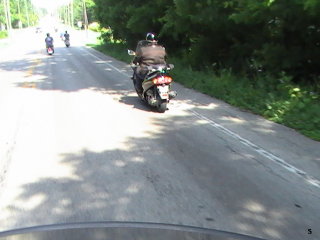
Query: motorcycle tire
{"points": [[162, 107]]}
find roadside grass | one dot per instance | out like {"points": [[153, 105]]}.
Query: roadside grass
{"points": [[275, 99], [116, 50], [3, 34]]}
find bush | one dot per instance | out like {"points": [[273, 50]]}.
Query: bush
{"points": [[276, 99], [116, 49], [3, 34], [94, 27]]}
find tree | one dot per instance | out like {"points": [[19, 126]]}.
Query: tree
{"points": [[131, 20], [246, 36], [76, 9], [20, 10]]}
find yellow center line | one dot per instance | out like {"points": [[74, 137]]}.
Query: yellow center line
{"points": [[30, 72]]}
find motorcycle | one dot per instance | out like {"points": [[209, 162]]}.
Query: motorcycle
{"points": [[50, 50], [67, 42], [156, 85]]}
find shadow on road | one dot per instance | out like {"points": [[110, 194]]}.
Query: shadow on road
{"points": [[136, 102], [141, 182], [188, 180]]}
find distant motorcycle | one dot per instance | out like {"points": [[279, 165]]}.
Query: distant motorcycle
{"points": [[50, 50], [156, 85], [67, 42]]}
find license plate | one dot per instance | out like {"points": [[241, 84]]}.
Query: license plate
{"points": [[163, 91]]}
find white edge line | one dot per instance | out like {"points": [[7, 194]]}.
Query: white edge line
{"points": [[110, 65], [315, 182]]}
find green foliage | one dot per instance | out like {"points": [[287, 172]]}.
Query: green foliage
{"points": [[284, 103], [277, 99], [300, 109], [78, 12], [2, 13], [19, 11], [259, 55], [3, 34], [114, 48], [94, 27], [279, 36], [131, 20]]}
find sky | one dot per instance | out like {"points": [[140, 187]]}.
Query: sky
{"points": [[50, 4]]}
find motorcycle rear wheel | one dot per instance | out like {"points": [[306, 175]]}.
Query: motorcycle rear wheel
{"points": [[162, 107]]}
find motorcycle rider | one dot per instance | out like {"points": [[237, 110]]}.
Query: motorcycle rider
{"points": [[49, 41], [148, 52], [66, 36]]}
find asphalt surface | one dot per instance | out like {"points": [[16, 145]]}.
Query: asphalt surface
{"points": [[77, 145]]}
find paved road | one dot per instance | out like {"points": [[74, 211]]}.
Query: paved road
{"points": [[76, 145]]}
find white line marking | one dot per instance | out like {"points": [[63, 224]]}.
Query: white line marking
{"points": [[118, 70], [315, 182]]}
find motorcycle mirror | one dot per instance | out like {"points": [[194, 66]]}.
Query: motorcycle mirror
{"points": [[171, 66], [131, 53]]}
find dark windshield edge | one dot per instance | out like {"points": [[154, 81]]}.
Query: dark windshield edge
{"points": [[115, 224]]}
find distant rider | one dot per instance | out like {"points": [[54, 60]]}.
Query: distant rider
{"points": [[66, 36], [49, 41]]}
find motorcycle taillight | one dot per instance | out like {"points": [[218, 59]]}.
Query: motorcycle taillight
{"points": [[162, 80]]}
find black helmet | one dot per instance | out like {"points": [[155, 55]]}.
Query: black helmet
{"points": [[151, 37]]}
